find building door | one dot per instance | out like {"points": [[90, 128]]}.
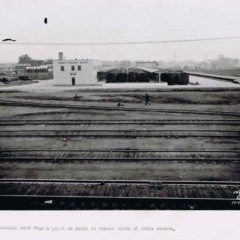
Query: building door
{"points": [[73, 81]]}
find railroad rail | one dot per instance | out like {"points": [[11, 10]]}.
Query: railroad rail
{"points": [[9, 122], [105, 108], [117, 150], [71, 159], [104, 194], [105, 181]]}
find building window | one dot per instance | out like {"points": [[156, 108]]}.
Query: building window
{"points": [[62, 68], [73, 68], [79, 68]]}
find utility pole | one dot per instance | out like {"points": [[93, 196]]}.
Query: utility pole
{"points": [[159, 79]]}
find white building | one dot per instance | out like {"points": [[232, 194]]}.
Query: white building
{"points": [[75, 72]]}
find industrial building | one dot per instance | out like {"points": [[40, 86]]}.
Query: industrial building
{"points": [[34, 69], [75, 72]]}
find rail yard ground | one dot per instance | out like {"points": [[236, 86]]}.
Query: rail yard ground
{"points": [[62, 151]]}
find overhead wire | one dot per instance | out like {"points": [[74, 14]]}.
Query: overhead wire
{"points": [[120, 43]]}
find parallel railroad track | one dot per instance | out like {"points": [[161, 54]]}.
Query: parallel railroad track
{"points": [[54, 155], [105, 194], [105, 181], [118, 150], [104, 108], [117, 154], [10, 122], [122, 133], [77, 159]]}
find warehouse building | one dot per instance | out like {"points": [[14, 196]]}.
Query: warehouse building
{"points": [[34, 69], [75, 72]]}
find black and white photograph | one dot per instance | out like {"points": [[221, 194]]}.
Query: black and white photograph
{"points": [[119, 105]]}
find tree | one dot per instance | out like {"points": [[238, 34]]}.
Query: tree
{"points": [[24, 58]]}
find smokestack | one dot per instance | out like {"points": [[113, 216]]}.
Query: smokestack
{"points": [[60, 55]]}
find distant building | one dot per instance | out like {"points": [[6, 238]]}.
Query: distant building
{"points": [[21, 69], [41, 72], [149, 64], [76, 72], [34, 69], [7, 69]]}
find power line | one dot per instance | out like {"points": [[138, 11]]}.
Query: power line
{"points": [[120, 43]]}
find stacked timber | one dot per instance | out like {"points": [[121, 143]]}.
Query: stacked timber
{"points": [[123, 75], [175, 78]]}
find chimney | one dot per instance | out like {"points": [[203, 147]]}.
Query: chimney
{"points": [[60, 55]]}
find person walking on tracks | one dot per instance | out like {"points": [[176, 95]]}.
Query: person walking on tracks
{"points": [[75, 96], [147, 99]]}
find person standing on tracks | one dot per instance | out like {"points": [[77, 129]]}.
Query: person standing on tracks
{"points": [[76, 96], [147, 99]]}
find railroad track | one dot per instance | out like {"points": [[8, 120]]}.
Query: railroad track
{"points": [[104, 108], [104, 194], [10, 122], [21, 155], [71, 159], [101, 182], [117, 150], [121, 133]]}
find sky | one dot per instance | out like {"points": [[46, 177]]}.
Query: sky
{"points": [[76, 21]]}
